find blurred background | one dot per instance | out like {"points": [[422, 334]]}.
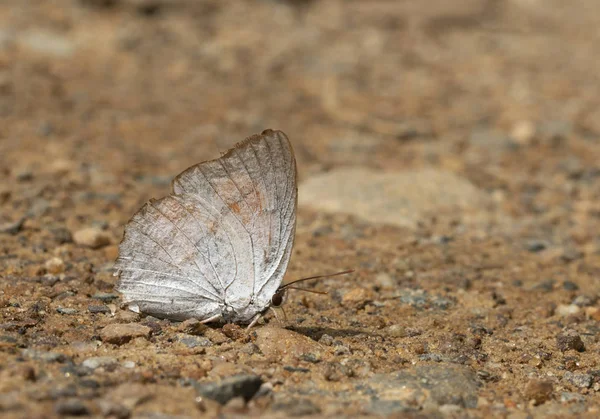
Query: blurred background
{"points": [[98, 94], [447, 150]]}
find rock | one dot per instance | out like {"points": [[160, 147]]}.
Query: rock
{"points": [[579, 380], [12, 227], [47, 43], [565, 310], [536, 246], [326, 340], [71, 407], [296, 407], [357, 298], [585, 300], [569, 340], [105, 296], [99, 362], [66, 310], [283, 344], [401, 198], [245, 386], [44, 356], [436, 384], [98, 309], [91, 237], [539, 391], [523, 132], [192, 327], [55, 266], [570, 286], [194, 341], [114, 410], [396, 331], [123, 333]]}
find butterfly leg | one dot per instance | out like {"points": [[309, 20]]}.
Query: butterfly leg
{"points": [[253, 321], [211, 319]]}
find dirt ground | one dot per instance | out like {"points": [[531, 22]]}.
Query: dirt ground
{"points": [[480, 300]]}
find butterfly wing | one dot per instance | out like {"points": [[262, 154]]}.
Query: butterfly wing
{"points": [[253, 187], [223, 239]]}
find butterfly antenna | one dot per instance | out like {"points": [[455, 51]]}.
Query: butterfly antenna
{"points": [[307, 290], [349, 271]]}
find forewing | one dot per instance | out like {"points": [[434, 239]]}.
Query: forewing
{"points": [[253, 189]]}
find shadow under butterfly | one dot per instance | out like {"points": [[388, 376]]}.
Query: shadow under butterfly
{"points": [[217, 248]]}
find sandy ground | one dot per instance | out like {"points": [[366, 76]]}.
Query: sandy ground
{"points": [[447, 151]]}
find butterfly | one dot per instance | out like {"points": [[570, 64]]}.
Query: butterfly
{"points": [[217, 247]]}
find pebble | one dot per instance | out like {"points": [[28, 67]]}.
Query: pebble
{"points": [[71, 407], [396, 331], [570, 340], [92, 237], [194, 341], [565, 310], [393, 198], [12, 227], [44, 356], [540, 391], [570, 286], [326, 340], [283, 344], [438, 384], [98, 309], [105, 296], [99, 362], [55, 266], [579, 380], [296, 407], [245, 386], [357, 298], [66, 310], [123, 333], [585, 300], [192, 327]]}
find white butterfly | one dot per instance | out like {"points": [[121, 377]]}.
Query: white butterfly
{"points": [[218, 247]]}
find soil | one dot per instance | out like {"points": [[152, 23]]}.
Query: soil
{"points": [[481, 300]]}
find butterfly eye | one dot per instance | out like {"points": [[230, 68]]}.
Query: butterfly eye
{"points": [[278, 298]]}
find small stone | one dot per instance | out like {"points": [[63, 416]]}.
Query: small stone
{"points": [[585, 300], [192, 327], [99, 309], [535, 246], [570, 286], [569, 340], [91, 237], [523, 132], [128, 364], [44, 356], [55, 266], [72, 407], [105, 296], [539, 391], [357, 298], [66, 310], [99, 362], [579, 380], [233, 331], [194, 341], [564, 310], [326, 340], [296, 407], [245, 386], [397, 331], [114, 410], [12, 227], [123, 333], [283, 344]]}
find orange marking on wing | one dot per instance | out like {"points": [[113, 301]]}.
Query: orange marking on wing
{"points": [[235, 207]]}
